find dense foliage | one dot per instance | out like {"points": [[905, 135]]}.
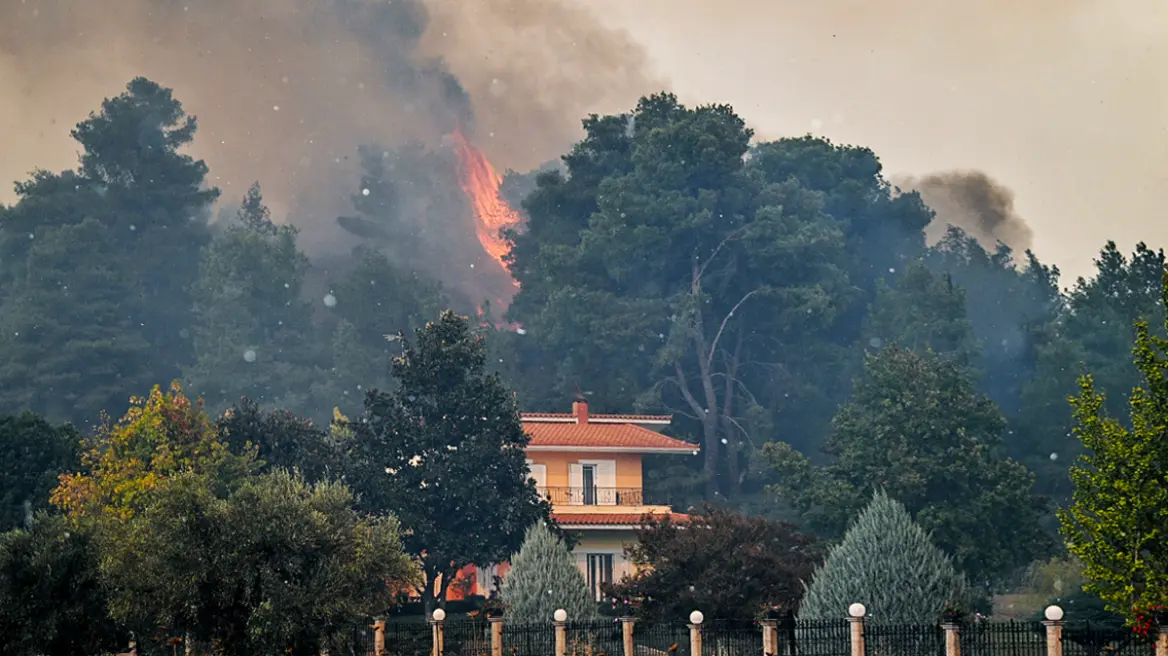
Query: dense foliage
{"points": [[917, 428], [543, 579], [444, 451], [888, 563], [762, 292], [1117, 521], [725, 563]]}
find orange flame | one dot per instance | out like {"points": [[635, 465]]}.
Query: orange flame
{"points": [[481, 184]]}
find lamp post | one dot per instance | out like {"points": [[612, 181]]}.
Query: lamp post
{"points": [[438, 621], [560, 618]]}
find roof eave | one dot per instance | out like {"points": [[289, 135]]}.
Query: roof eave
{"points": [[692, 450]]}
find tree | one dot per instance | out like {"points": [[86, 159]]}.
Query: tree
{"points": [[719, 561], [283, 441], [34, 453], [1093, 333], [374, 302], [96, 263], [277, 565], [922, 312], [663, 266], [52, 600], [162, 436], [445, 451], [888, 563], [1116, 522], [543, 579], [917, 427], [253, 332]]}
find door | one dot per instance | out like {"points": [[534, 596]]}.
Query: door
{"points": [[588, 482], [599, 574]]}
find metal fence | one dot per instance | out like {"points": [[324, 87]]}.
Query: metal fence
{"points": [[744, 638]]}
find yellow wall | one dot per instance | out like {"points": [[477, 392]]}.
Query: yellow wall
{"points": [[628, 466], [606, 541]]}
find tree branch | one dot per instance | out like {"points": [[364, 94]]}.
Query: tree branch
{"points": [[717, 336]]}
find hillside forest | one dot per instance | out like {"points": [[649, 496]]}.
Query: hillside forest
{"points": [[778, 298]]}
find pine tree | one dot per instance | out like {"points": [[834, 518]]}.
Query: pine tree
{"points": [[888, 563], [544, 579]]}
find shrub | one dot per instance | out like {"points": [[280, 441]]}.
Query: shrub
{"points": [[543, 579], [888, 563]]}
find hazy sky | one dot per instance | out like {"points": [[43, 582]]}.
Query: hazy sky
{"points": [[1063, 101]]}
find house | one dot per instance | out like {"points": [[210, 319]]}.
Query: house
{"points": [[590, 468]]}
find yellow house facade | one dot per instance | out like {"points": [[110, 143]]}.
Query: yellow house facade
{"points": [[589, 467]]}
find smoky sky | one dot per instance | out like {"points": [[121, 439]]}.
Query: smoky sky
{"points": [[1064, 102], [974, 202], [285, 90]]}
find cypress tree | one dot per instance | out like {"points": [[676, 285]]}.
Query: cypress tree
{"points": [[888, 563], [543, 579]]}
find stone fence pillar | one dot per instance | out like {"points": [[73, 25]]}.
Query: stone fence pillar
{"points": [[770, 637], [438, 627], [627, 624], [952, 639], [695, 632], [496, 635], [856, 613], [561, 624], [1054, 630], [379, 637]]}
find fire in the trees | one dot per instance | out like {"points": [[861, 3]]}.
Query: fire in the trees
{"points": [[481, 183]]}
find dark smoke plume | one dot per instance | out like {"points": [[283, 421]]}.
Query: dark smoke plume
{"points": [[286, 90], [974, 202]]}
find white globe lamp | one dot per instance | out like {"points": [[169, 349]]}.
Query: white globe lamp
{"points": [[560, 615], [1054, 613], [696, 617], [857, 610], [439, 615]]}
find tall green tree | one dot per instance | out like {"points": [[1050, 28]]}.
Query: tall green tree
{"points": [[888, 563], [284, 440], [97, 262], [445, 451], [253, 333], [543, 579], [1119, 513], [663, 266], [917, 427], [1094, 332], [33, 453]]}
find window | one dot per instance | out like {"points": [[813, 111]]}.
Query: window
{"points": [[599, 573], [588, 473]]}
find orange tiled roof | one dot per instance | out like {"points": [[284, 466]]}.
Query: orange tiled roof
{"points": [[609, 519], [596, 435], [565, 416]]}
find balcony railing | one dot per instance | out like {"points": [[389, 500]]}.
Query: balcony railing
{"points": [[594, 496]]}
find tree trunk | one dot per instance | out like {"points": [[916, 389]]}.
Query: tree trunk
{"points": [[733, 442]]}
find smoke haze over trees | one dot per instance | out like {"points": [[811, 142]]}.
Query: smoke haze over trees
{"points": [[668, 260]]}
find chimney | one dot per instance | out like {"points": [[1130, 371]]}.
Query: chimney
{"points": [[580, 410]]}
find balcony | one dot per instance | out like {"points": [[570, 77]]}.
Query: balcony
{"points": [[594, 496]]}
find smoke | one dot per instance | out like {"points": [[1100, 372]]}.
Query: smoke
{"points": [[974, 202], [285, 90]]}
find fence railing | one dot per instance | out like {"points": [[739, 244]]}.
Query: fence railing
{"points": [[595, 496], [481, 636], [700, 637]]}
